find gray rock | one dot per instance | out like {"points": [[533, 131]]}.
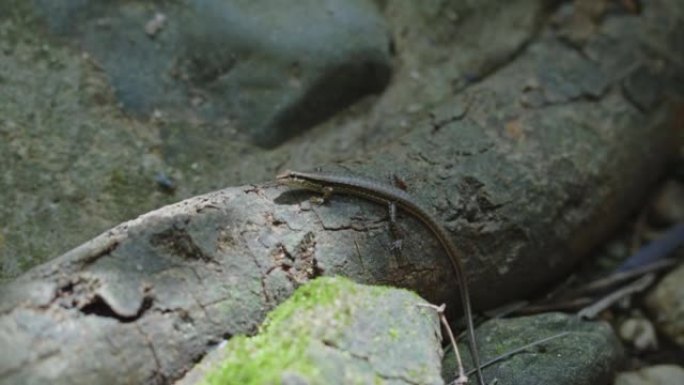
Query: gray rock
{"points": [[272, 69], [167, 285], [332, 331], [526, 189], [640, 333], [652, 375], [588, 355], [666, 303], [156, 296], [278, 68], [86, 167]]}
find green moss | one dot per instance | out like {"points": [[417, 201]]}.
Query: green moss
{"points": [[321, 292], [318, 311], [261, 360], [283, 342]]}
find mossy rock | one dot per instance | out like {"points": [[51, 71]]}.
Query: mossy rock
{"points": [[333, 331]]}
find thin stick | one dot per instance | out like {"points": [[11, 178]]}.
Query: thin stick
{"points": [[591, 311], [462, 378], [622, 276], [580, 297]]}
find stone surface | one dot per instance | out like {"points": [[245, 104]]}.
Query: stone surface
{"points": [[332, 331], [90, 176], [639, 333], [166, 288], [271, 69], [72, 164], [666, 303], [588, 354], [653, 375], [529, 166], [167, 285]]}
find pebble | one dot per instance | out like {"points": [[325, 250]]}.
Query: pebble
{"points": [[666, 303], [652, 375], [640, 333]]}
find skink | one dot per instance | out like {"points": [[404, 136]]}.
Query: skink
{"points": [[389, 195]]}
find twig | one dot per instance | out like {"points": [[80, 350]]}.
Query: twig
{"points": [[579, 298], [462, 378], [622, 276], [591, 311]]}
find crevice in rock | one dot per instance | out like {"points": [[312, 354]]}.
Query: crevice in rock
{"points": [[100, 308], [494, 67]]}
